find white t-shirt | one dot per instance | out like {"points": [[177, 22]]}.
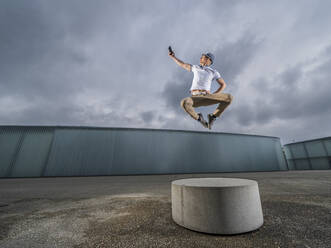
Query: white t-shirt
{"points": [[203, 76]]}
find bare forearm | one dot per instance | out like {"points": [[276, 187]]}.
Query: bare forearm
{"points": [[178, 61], [181, 63]]}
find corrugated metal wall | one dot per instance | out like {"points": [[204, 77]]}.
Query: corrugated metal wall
{"points": [[309, 155], [34, 151]]}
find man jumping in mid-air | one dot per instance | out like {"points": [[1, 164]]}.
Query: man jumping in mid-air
{"points": [[203, 75]]}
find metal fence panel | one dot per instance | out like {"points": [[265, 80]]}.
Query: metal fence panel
{"points": [[96, 152], [81, 151], [309, 154], [320, 163], [315, 149], [287, 152], [298, 151], [302, 164], [327, 144], [9, 142], [291, 164], [33, 153]]}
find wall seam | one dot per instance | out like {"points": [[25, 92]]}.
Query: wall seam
{"points": [[48, 155], [17, 151], [307, 156], [293, 159], [326, 153]]}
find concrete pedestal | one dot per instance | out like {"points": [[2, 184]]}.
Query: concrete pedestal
{"points": [[217, 205]]}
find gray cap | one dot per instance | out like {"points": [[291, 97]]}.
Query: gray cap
{"points": [[210, 56]]}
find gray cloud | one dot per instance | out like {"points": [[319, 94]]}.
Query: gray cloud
{"points": [[105, 63], [35, 54], [293, 94], [147, 116], [232, 58]]}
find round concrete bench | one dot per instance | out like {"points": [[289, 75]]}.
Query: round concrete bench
{"points": [[217, 205]]}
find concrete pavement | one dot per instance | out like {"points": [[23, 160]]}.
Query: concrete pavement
{"points": [[135, 211]]}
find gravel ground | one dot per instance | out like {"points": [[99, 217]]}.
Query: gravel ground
{"points": [[135, 211]]}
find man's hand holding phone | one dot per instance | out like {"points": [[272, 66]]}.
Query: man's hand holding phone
{"points": [[171, 52]]}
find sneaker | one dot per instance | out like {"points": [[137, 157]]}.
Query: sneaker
{"points": [[211, 120], [202, 121]]}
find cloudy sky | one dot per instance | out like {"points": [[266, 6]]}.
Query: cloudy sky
{"points": [[105, 63]]}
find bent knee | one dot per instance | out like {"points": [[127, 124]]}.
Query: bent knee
{"points": [[186, 102], [182, 103], [230, 98]]}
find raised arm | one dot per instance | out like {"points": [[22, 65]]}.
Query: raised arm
{"points": [[179, 62]]}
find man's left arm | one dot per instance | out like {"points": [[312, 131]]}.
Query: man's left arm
{"points": [[222, 85]]}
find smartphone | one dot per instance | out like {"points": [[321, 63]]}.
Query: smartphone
{"points": [[170, 50]]}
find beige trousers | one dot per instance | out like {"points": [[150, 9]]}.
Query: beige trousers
{"points": [[223, 100]]}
